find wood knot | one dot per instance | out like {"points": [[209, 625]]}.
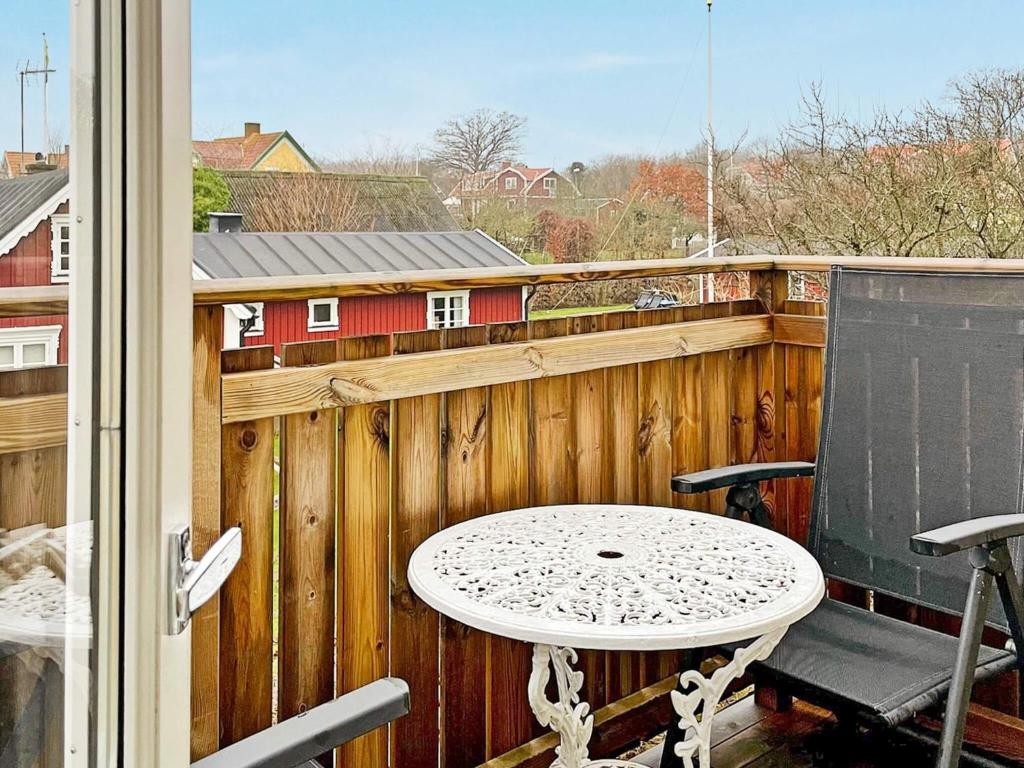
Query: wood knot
{"points": [[249, 439]]}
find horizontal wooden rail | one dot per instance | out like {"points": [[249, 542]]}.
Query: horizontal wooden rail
{"points": [[802, 330], [35, 421], [259, 394], [896, 263], [34, 300], [53, 299], [373, 283]]}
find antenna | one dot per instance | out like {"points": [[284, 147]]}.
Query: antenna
{"points": [[29, 71]]}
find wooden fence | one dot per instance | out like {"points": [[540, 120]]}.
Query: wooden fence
{"points": [[33, 469], [338, 463]]}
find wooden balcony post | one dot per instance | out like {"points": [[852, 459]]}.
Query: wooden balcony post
{"points": [[208, 330]]}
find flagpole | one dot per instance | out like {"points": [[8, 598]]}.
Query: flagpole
{"points": [[711, 167]]}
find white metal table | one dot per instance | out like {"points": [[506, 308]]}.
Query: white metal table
{"points": [[611, 577]]}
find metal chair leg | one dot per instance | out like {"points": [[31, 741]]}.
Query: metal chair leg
{"points": [[966, 664]]}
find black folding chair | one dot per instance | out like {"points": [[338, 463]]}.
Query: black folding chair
{"points": [[296, 743], [919, 487]]}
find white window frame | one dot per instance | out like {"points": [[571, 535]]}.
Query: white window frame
{"points": [[451, 321], [57, 221], [550, 187], [330, 325], [258, 326], [37, 334], [511, 182]]}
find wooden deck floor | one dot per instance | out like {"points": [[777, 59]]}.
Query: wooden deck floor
{"points": [[749, 736]]}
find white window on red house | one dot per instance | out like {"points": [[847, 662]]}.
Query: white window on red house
{"points": [[27, 347], [60, 247], [549, 183], [323, 315], [447, 309], [511, 182]]}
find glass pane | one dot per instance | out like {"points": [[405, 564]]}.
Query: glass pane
{"points": [[322, 313], [45, 557], [33, 354], [456, 302]]}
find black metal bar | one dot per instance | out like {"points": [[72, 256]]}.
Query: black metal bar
{"points": [[298, 740], [963, 671]]}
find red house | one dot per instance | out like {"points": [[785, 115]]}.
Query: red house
{"points": [[517, 184], [226, 252], [35, 249]]}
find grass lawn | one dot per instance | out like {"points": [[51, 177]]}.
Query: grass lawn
{"points": [[541, 314]]}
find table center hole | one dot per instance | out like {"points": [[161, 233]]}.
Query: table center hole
{"points": [[609, 554]]}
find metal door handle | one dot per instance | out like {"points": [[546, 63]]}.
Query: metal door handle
{"points": [[193, 583]]}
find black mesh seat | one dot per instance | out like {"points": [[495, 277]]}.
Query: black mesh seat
{"points": [[887, 668], [918, 493]]}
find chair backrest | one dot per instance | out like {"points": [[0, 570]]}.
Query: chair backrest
{"points": [[922, 425]]}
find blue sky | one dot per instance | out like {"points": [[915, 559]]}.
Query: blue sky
{"points": [[591, 76]]}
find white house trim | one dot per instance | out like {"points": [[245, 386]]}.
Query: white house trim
{"points": [[450, 321], [32, 221], [33, 334], [234, 316], [58, 220], [322, 325]]}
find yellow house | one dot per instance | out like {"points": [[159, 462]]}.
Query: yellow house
{"points": [[254, 151]]}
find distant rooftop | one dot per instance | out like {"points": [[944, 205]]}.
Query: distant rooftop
{"points": [[374, 203], [277, 254]]}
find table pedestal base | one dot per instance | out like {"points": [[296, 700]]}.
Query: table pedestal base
{"points": [[695, 703]]}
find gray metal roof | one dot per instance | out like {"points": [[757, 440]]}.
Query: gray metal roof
{"points": [[276, 254], [22, 195]]}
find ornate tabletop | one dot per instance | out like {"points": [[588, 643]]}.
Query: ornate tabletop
{"points": [[613, 577], [616, 577]]}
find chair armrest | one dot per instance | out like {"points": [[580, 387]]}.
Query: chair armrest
{"points": [[710, 479], [966, 534], [320, 729]]}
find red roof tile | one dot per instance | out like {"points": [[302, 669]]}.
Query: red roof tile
{"points": [[16, 161], [237, 153]]}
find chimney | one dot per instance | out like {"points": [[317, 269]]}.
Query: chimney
{"points": [[39, 165], [251, 129], [225, 222], [505, 165]]}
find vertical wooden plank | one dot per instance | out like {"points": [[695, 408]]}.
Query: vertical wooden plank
{"points": [[247, 493], [207, 330], [622, 419], [689, 446], [623, 671], [307, 492], [716, 400], [655, 455], [416, 488], [464, 650], [553, 438], [654, 441], [364, 549], [509, 720], [593, 484]]}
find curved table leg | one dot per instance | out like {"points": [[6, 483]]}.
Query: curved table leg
{"points": [[706, 694], [568, 716]]}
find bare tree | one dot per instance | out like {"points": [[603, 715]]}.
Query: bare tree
{"points": [[304, 202], [941, 180], [478, 141]]}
